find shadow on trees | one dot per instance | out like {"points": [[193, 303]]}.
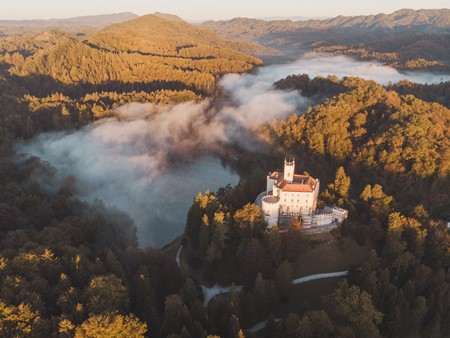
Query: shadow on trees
{"points": [[43, 85]]}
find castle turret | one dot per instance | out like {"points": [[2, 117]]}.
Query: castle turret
{"points": [[289, 167]]}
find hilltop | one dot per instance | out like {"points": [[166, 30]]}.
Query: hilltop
{"points": [[170, 35]]}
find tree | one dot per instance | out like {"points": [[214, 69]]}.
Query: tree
{"points": [[396, 223], [66, 328], [265, 295], [176, 315], [253, 260], [144, 299], [379, 203], [274, 245], [366, 195], [291, 325], [341, 184], [352, 308], [18, 321], [320, 323], [106, 294], [283, 279], [249, 216], [111, 326], [304, 328]]}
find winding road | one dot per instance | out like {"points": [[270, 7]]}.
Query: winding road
{"points": [[210, 293]]}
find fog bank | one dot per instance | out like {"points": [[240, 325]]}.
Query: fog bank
{"points": [[150, 161]]}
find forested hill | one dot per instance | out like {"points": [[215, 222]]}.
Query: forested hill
{"points": [[162, 33], [400, 140], [403, 39], [59, 76], [149, 49]]}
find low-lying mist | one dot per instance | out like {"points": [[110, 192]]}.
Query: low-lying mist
{"points": [[150, 161], [322, 65]]}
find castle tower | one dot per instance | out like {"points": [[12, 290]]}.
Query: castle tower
{"points": [[289, 167]]}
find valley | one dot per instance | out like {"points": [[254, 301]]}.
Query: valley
{"points": [[132, 149]]}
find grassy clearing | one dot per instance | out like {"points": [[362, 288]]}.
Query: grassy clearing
{"points": [[306, 296], [331, 256]]}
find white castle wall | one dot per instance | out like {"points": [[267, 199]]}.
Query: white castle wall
{"points": [[270, 207], [298, 202], [282, 206]]}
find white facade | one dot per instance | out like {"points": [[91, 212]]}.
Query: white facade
{"points": [[288, 193], [271, 208]]}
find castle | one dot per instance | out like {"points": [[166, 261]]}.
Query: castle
{"points": [[289, 195]]}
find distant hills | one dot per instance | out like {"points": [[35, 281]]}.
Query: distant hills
{"points": [[424, 20], [405, 39], [69, 24]]}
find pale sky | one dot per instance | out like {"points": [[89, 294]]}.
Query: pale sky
{"points": [[196, 10]]}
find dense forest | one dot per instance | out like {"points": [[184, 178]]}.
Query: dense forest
{"points": [[383, 156], [72, 269], [69, 269]]}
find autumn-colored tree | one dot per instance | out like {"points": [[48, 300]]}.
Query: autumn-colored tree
{"points": [[341, 184], [111, 326], [18, 321], [249, 216], [107, 294]]}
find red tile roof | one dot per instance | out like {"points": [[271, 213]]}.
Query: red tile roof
{"points": [[300, 183]]}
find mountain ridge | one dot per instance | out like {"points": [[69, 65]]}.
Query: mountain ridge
{"points": [[404, 39], [423, 19], [11, 27]]}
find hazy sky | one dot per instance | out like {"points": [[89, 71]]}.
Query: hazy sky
{"points": [[195, 10]]}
